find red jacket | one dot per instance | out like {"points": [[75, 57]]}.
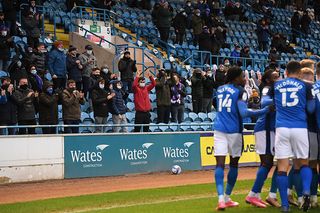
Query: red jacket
{"points": [[141, 95]]}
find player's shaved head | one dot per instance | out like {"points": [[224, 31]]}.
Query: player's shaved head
{"points": [[233, 73], [293, 67]]}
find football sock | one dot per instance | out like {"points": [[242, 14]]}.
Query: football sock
{"points": [[232, 178], [219, 175], [290, 178], [314, 182], [297, 182], [306, 176], [282, 181], [262, 175]]}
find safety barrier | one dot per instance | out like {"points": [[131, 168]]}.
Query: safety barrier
{"points": [[32, 158]]}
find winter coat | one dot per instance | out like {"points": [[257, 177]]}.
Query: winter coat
{"points": [[40, 60], [118, 104], [305, 22], [35, 82], [163, 92], [5, 47], [197, 85], [126, 68], [73, 70], [87, 66], [100, 102], [16, 73], [180, 23], [164, 17], [8, 111], [220, 78], [31, 27], [10, 8], [26, 105], [205, 42], [57, 63], [48, 107], [71, 106], [295, 22], [208, 86], [197, 24], [141, 95], [263, 33]]}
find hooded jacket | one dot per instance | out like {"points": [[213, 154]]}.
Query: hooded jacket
{"points": [[141, 95], [26, 105], [100, 102], [118, 104], [48, 106]]}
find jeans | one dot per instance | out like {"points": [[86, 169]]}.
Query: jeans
{"points": [[163, 114], [71, 129], [142, 118], [197, 104], [119, 119], [207, 105], [100, 120], [31, 130], [177, 112], [127, 85]]}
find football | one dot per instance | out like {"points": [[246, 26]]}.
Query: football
{"points": [[176, 169]]}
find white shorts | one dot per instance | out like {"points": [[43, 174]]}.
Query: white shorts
{"points": [[225, 144], [264, 145], [291, 143], [314, 146]]}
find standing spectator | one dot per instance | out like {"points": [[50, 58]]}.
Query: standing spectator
{"points": [[17, 70], [74, 67], [30, 24], [163, 97], [228, 11], [202, 6], [101, 97], [57, 66], [127, 67], [274, 55], [4, 25], [189, 11], [197, 80], [26, 100], [34, 79], [316, 7], [205, 44], [48, 108], [10, 9], [220, 76], [245, 53], [8, 110], [88, 62], [239, 12], [71, 112], [235, 54], [163, 16], [5, 44], [142, 102], [107, 74], [39, 59], [197, 25], [178, 93], [208, 86], [263, 34], [305, 23], [105, 4], [180, 25], [295, 26], [119, 108], [3, 101], [94, 78]]}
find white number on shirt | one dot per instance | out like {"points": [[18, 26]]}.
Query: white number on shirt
{"points": [[316, 93], [292, 93], [224, 102]]}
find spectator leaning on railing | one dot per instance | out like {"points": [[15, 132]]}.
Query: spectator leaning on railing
{"points": [[71, 100], [141, 101], [26, 100], [48, 108]]}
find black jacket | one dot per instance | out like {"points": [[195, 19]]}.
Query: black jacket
{"points": [[197, 85], [8, 111], [205, 41], [100, 102], [73, 70], [208, 86], [163, 92], [180, 23], [220, 78], [26, 105], [126, 68], [40, 60], [48, 107], [5, 45], [31, 27]]}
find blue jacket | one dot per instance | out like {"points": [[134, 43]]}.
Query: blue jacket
{"points": [[235, 54], [118, 104], [57, 63], [3, 99]]}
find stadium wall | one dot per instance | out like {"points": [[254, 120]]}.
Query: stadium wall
{"points": [[34, 158]]}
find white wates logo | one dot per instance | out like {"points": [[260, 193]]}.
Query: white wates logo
{"points": [[147, 145], [188, 144], [101, 147]]}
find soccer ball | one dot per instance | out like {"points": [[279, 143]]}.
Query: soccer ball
{"points": [[176, 170]]}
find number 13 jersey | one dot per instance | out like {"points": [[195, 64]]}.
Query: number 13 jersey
{"points": [[290, 97], [228, 119]]}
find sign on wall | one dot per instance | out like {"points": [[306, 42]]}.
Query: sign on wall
{"points": [[101, 29], [109, 155]]}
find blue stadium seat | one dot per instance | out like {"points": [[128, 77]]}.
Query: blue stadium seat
{"points": [[130, 106]]}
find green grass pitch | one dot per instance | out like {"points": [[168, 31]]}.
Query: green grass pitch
{"points": [[186, 199]]}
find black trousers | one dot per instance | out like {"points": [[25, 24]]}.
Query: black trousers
{"points": [[179, 38], [164, 33], [71, 129], [24, 131], [59, 83], [163, 114], [142, 118], [197, 104], [49, 130]]}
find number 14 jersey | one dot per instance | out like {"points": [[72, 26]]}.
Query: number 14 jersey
{"points": [[290, 97]]}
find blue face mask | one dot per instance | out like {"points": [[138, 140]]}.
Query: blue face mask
{"points": [[50, 90]]}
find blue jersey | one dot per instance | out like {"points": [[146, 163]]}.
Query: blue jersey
{"points": [[267, 121], [316, 92], [228, 119], [290, 97]]}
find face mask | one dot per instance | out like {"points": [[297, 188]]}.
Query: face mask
{"points": [[72, 89], [198, 14], [105, 70], [43, 51], [50, 90], [142, 84], [189, 4], [226, 64], [60, 49], [201, 2], [4, 33], [101, 86], [209, 74], [89, 52], [184, 13], [119, 86], [24, 86], [19, 63], [34, 72]]}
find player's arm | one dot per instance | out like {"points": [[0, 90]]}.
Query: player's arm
{"points": [[311, 106], [246, 112], [266, 100]]}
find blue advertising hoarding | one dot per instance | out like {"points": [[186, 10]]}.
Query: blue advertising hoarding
{"points": [[109, 155]]}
